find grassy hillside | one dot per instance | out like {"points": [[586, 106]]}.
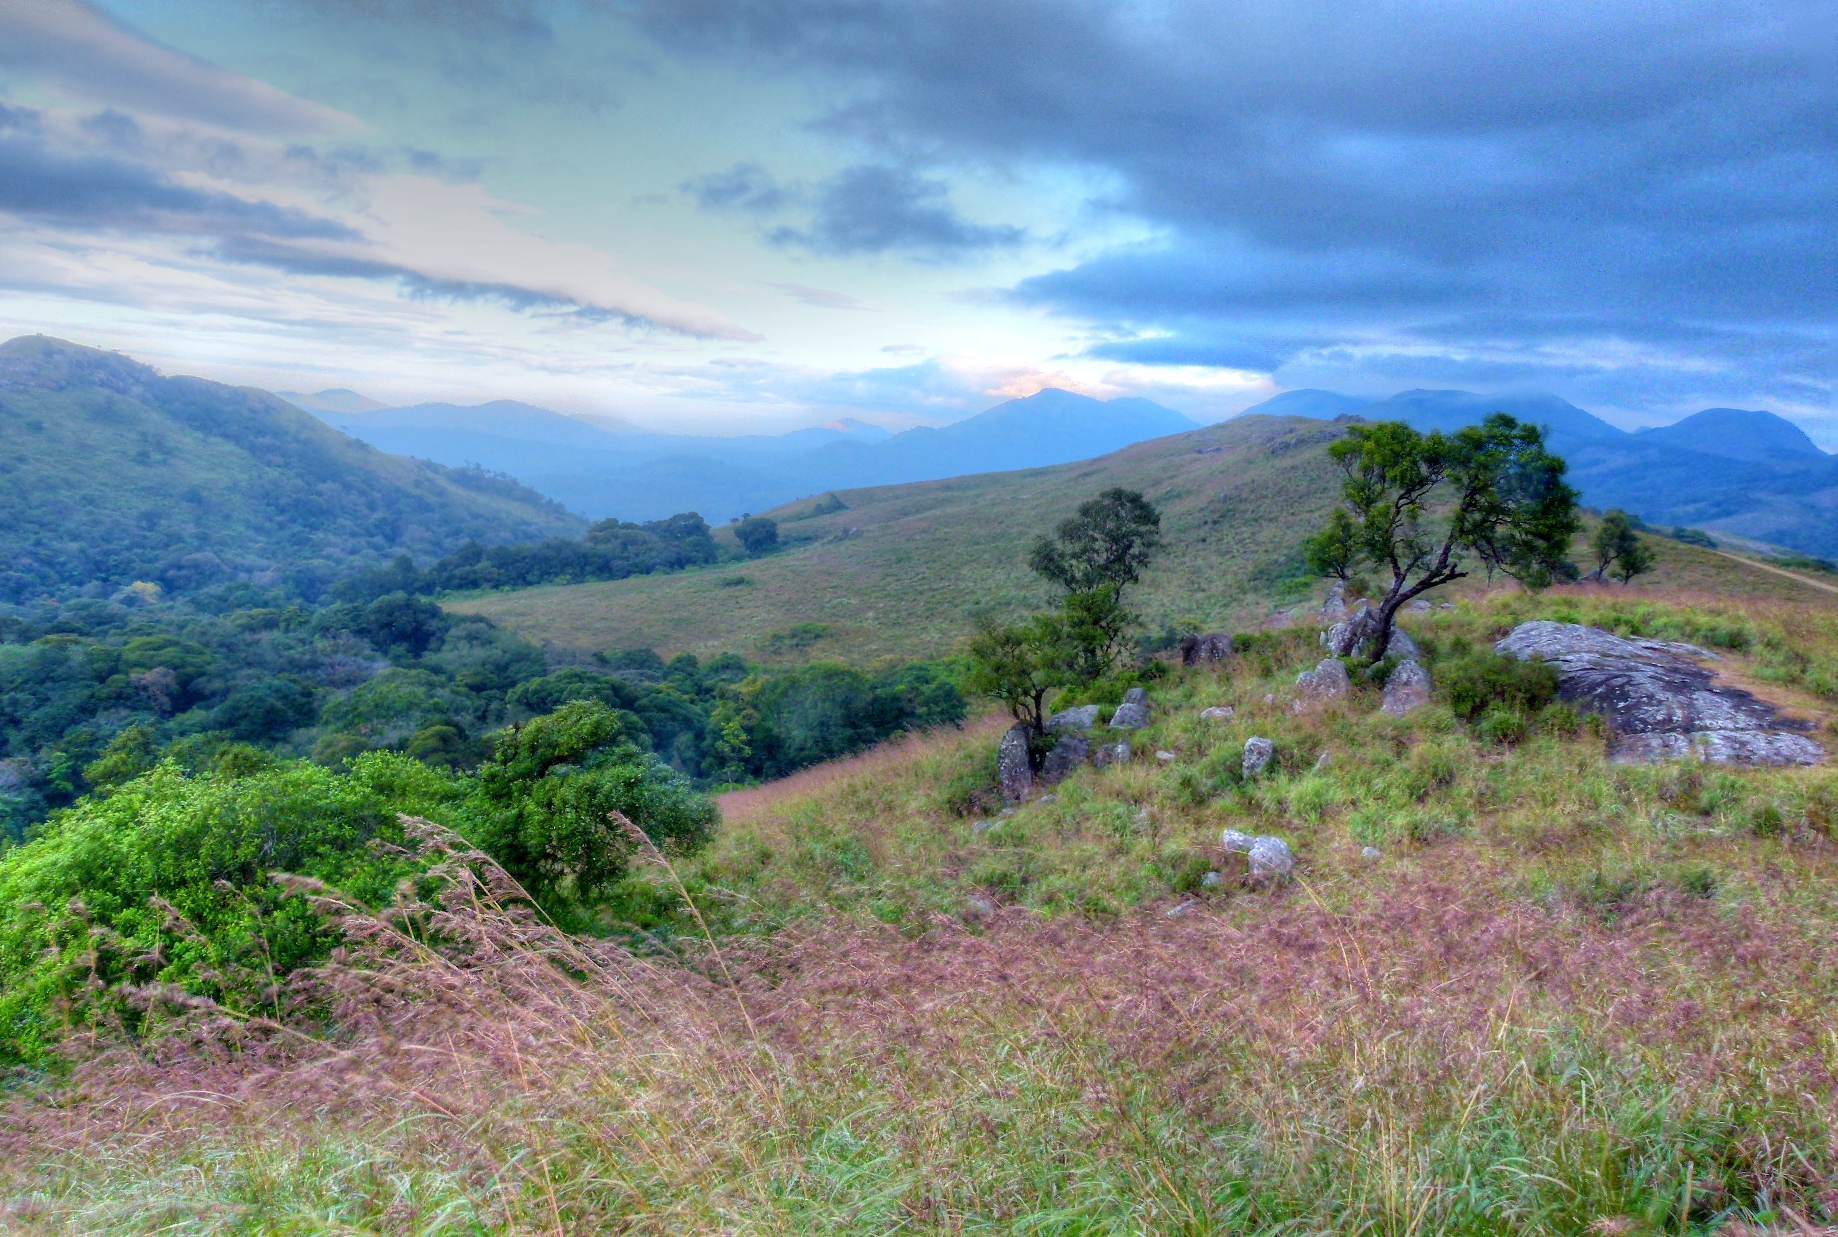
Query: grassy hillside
{"points": [[111, 473], [900, 570], [1556, 996]]}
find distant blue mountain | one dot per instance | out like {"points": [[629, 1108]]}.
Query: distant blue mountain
{"points": [[1733, 470]]}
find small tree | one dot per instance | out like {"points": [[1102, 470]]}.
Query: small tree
{"points": [[1111, 539], [1019, 664], [1420, 505], [757, 534], [1619, 550]]}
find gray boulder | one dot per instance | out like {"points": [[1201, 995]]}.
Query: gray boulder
{"points": [[1082, 717], [1271, 859], [1209, 649], [1334, 607], [1237, 841], [1327, 681], [1071, 752], [1117, 753], [1218, 713], [1014, 766], [1133, 713], [1257, 755], [1353, 635], [1658, 701], [1407, 688]]}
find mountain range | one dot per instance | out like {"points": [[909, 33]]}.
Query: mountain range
{"points": [[1732, 470], [601, 466], [112, 473]]}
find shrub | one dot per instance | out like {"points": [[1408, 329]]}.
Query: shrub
{"points": [[1500, 725], [1477, 681]]}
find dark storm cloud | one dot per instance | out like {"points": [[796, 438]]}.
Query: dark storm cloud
{"points": [[866, 209], [1401, 168]]}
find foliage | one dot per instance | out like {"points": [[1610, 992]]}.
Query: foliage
{"points": [[1416, 504], [757, 535], [1478, 680], [1619, 550], [1019, 665], [1111, 540], [1693, 536]]}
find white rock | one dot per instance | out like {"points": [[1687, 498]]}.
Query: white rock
{"points": [[1234, 840], [1212, 880], [1184, 908], [1271, 859], [1257, 755], [1218, 713], [1371, 852], [1164, 756]]}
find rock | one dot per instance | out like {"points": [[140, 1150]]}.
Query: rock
{"points": [[1133, 713], [1401, 645], [1407, 688], [1346, 638], [1044, 800], [1327, 681], [1164, 756], [1071, 752], [1419, 605], [1212, 880], [1235, 841], [1083, 717], [1014, 766], [1271, 859], [1658, 702], [1334, 607], [1371, 852], [1218, 713], [983, 826], [1185, 908], [1117, 753], [1209, 649], [1257, 755], [979, 905]]}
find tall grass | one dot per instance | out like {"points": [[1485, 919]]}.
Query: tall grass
{"points": [[1567, 998]]}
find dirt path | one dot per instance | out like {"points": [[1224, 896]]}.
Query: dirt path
{"points": [[1780, 571]]}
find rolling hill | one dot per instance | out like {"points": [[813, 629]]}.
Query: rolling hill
{"points": [[1746, 473], [113, 473], [604, 467], [901, 571]]}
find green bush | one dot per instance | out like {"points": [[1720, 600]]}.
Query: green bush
{"points": [[1477, 681]]}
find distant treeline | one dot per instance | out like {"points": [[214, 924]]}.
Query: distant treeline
{"points": [[93, 691], [611, 550]]}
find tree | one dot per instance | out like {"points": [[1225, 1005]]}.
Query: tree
{"points": [[1019, 664], [1422, 505], [757, 534], [1619, 550], [1111, 540]]}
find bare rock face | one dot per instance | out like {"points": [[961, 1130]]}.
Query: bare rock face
{"points": [[1068, 754], [1209, 649], [1327, 681], [1083, 717], [1133, 713], [1659, 702], [1407, 688], [1258, 753], [1013, 765]]}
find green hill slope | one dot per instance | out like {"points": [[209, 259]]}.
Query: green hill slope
{"points": [[901, 571], [112, 473]]}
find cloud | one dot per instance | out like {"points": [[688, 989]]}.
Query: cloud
{"points": [[869, 209], [822, 298], [75, 46], [1432, 179]]}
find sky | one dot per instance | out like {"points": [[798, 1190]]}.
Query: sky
{"points": [[750, 215]]}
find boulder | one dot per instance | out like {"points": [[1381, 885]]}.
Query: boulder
{"points": [[1345, 638], [1327, 681], [1133, 713], [1271, 859], [1234, 840], [1209, 649], [1164, 756], [1370, 853], [1071, 752], [1658, 701], [1258, 753], [1082, 717], [1218, 713], [1117, 753], [1407, 688], [1014, 766], [1334, 607]]}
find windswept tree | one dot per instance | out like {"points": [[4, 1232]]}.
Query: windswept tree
{"points": [[1426, 507], [1620, 551], [1098, 553]]}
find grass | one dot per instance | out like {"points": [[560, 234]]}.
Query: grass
{"points": [[931, 555], [1567, 998]]}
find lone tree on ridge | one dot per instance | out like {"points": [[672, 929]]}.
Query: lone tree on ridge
{"points": [[1620, 551], [1103, 549], [1422, 506]]}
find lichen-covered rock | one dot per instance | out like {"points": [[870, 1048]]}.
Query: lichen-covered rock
{"points": [[1071, 752], [1407, 688], [1659, 703], [1133, 713], [1218, 713], [1209, 649], [1334, 606], [1271, 859], [1258, 752], [1014, 766], [1081, 717], [1327, 681], [1117, 753], [1236, 840]]}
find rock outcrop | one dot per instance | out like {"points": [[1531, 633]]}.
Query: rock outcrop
{"points": [[1258, 752], [1407, 688], [1327, 681], [1071, 752], [1014, 766], [1209, 649], [1343, 639], [1659, 702], [1271, 859], [1080, 717], [1133, 713], [1218, 713]]}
